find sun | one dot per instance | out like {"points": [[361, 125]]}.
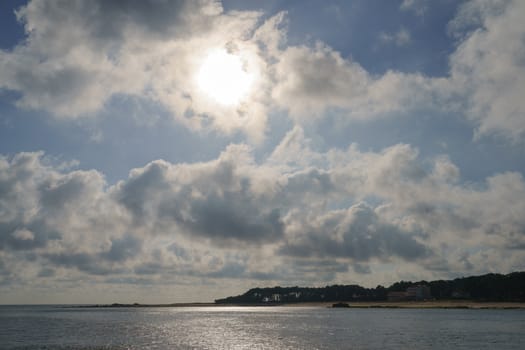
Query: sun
{"points": [[223, 77]]}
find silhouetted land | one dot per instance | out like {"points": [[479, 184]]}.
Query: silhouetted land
{"points": [[146, 305], [475, 292], [486, 288]]}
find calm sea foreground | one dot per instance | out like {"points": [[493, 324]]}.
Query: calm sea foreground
{"points": [[58, 327]]}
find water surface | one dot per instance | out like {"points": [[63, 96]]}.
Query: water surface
{"points": [[56, 327]]}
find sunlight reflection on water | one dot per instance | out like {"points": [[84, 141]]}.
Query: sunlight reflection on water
{"points": [[259, 328]]}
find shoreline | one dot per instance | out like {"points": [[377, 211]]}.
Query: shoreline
{"points": [[431, 304]]}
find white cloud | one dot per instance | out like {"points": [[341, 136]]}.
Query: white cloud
{"points": [[310, 81], [326, 215], [472, 14], [489, 68], [419, 7], [216, 200], [78, 55], [308, 215], [23, 235], [72, 65], [485, 85], [400, 38], [356, 233]]}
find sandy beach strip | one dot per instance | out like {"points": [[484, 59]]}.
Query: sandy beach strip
{"points": [[431, 304]]}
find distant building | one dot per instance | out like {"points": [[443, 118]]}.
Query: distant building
{"points": [[295, 295], [418, 292]]}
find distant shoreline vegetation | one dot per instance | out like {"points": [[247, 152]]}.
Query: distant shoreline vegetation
{"points": [[490, 287]]}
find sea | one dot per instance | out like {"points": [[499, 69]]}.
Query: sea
{"points": [[66, 327]]}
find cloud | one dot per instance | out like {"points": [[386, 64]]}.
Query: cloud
{"points": [[400, 38], [232, 218], [419, 7], [489, 67], [214, 200], [484, 85], [293, 213], [320, 217], [356, 233], [64, 217], [82, 261], [315, 77], [312, 81], [472, 14], [79, 55], [23, 235], [123, 248]]}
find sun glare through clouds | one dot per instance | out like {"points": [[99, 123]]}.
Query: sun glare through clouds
{"points": [[224, 78]]}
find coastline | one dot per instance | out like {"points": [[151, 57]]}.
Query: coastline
{"points": [[431, 304]]}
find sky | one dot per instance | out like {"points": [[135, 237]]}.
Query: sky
{"points": [[175, 151]]}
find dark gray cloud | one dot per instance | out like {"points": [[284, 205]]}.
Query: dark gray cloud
{"points": [[357, 233], [15, 235], [441, 217], [84, 262], [217, 202], [233, 217], [319, 265], [133, 281], [38, 202], [230, 270], [99, 263], [361, 269], [112, 21], [46, 272], [55, 195], [179, 251], [149, 269], [3, 269], [143, 188], [123, 249], [314, 181]]}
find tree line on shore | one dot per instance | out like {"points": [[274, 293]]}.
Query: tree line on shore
{"points": [[489, 287]]}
